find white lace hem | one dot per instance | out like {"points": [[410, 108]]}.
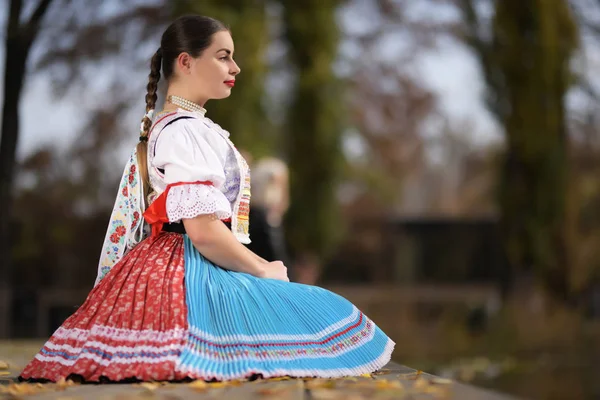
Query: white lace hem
{"points": [[191, 200]]}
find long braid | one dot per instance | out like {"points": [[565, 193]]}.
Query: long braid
{"points": [[151, 96]]}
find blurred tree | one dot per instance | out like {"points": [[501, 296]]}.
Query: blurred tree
{"points": [[243, 114], [397, 124], [21, 33], [584, 132], [313, 125], [81, 33], [585, 151], [390, 122], [527, 67], [64, 191]]}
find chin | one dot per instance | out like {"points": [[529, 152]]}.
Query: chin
{"points": [[223, 95]]}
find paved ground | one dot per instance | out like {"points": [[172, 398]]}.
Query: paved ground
{"points": [[393, 382]]}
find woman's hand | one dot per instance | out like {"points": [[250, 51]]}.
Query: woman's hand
{"points": [[275, 270]]}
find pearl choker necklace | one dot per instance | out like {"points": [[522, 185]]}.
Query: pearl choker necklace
{"points": [[186, 104]]}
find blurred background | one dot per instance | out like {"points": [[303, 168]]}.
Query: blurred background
{"points": [[443, 158]]}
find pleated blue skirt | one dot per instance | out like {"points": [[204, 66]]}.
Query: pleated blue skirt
{"points": [[241, 325]]}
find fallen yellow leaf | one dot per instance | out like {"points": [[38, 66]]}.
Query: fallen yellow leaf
{"points": [[3, 365], [279, 378], [320, 384], [150, 385], [386, 384], [420, 383], [19, 389], [366, 375], [437, 391], [410, 376], [219, 384], [4, 373], [198, 385], [62, 384]]}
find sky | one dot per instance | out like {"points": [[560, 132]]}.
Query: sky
{"points": [[449, 70]]}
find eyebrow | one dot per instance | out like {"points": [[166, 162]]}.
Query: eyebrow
{"points": [[226, 50]]}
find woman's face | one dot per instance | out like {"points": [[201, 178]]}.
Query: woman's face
{"points": [[212, 74]]}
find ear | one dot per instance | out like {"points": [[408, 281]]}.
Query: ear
{"points": [[184, 63]]}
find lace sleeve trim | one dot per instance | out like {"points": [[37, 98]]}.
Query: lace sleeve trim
{"points": [[192, 200]]}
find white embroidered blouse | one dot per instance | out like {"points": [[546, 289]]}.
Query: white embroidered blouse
{"points": [[207, 173]]}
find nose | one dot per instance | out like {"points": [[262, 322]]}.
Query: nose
{"points": [[235, 70]]}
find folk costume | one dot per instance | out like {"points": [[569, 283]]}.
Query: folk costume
{"points": [[160, 311]]}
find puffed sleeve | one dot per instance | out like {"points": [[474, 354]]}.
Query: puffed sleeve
{"points": [[193, 171]]}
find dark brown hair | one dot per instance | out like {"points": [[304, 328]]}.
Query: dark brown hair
{"points": [[190, 34]]}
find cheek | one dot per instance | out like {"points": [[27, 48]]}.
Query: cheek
{"points": [[202, 73], [214, 73], [210, 75]]}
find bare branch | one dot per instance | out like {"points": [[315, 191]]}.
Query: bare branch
{"points": [[80, 41], [14, 17], [39, 13], [31, 29], [470, 34], [97, 39]]}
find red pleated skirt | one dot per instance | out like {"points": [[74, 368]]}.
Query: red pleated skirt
{"points": [[132, 326]]}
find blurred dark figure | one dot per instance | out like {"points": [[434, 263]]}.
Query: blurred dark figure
{"points": [[478, 318], [591, 298], [269, 203], [477, 321]]}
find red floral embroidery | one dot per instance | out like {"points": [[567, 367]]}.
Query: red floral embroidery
{"points": [[136, 218], [125, 192], [132, 170], [115, 238], [121, 231]]}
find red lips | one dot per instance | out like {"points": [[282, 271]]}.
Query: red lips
{"points": [[230, 83]]}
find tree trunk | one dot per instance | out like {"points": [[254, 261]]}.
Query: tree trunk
{"points": [[19, 38], [13, 80], [533, 42], [314, 126], [13, 83]]}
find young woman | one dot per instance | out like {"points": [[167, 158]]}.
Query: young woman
{"points": [[190, 301]]}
